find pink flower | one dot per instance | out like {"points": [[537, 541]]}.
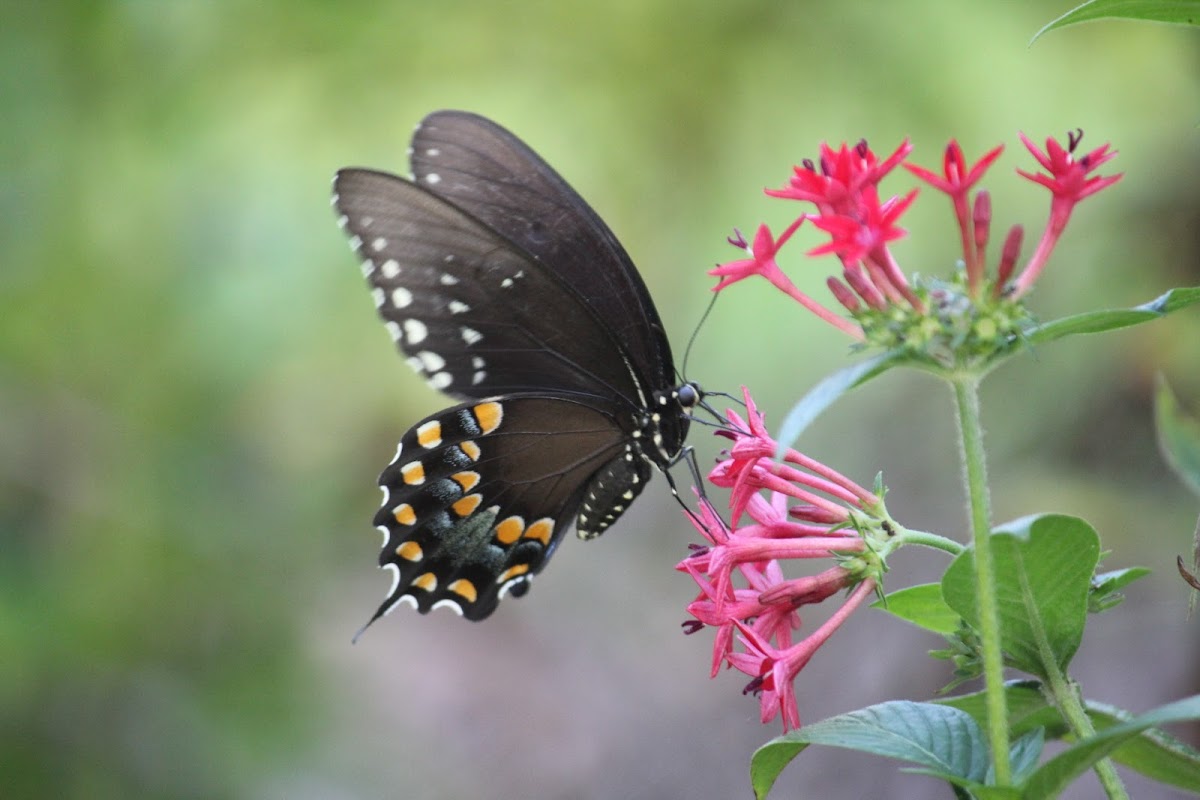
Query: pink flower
{"points": [[744, 593], [845, 193], [852, 239], [837, 187], [775, 669], [1068, 176], [844, 190], [1069, 183], [956, 180], [762, 262]]}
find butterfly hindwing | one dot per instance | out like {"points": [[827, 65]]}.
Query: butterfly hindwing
{"points": [[480, 494]]}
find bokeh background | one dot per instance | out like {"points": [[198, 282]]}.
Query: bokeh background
{"points": [[196, 397]]}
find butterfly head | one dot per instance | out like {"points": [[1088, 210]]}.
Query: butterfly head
{"points": [[688, 396]]}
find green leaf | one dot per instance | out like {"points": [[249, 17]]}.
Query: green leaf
{"points": [[1026, 707], [825, 393], [1185, 12], [1152, 753], [994, 793], [945, 741], [1111, 319], [1178, 435], [1174, 300], [1057, 773], [1104, 593], [1044, 567], [1117, 579], [923, 606], [1025, 752]]}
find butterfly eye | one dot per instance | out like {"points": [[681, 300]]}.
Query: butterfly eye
{"points": [[688, 395]]}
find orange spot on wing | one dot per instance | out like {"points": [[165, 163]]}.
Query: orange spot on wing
{"points": [[464, 589], [467, 480], [404, 514], [430, 434], [413, 473], [509, 530], [426, 581], [467, 504], [489, 416], [410, 551], [470, 448], [512, 572], [541, 530]]}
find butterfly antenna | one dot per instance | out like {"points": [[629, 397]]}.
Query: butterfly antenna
{"points": [[687, 353]]}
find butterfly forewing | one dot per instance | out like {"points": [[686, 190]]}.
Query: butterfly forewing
{"points": [[493, 175], [473, 313]]}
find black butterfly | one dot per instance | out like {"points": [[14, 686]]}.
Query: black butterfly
{"points": [[506, 290]]}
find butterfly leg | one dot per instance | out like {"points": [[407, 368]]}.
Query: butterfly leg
{"points": [[687, 455]]}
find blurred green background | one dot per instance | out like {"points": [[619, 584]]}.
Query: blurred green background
{"points": [[196, 397]]}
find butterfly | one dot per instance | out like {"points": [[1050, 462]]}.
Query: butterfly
{"points": [[507, 292]]}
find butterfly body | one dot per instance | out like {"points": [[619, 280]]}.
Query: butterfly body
{"points": [[506, 291]]}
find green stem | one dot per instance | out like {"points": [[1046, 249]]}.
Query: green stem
{"points": [[1066, 698], [966, 395], [906, 536]]}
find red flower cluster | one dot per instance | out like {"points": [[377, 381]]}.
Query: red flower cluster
{"points": [[762, 615], [844, 188]]}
